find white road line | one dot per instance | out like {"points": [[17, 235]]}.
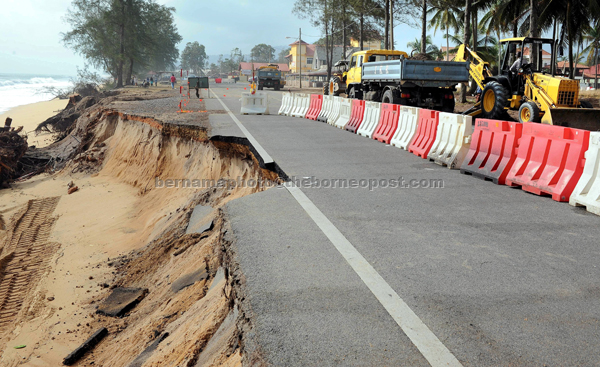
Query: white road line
{"points": [[424, 339], [259, 149]]}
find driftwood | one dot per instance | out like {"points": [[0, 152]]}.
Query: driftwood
{"points": [[12, 147]]}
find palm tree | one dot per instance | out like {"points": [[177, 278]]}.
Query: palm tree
{"points": [[431, 50], [593, 49], [444, 18]]}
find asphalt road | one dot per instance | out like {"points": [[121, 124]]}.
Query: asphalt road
{"points": [[501, 277]]}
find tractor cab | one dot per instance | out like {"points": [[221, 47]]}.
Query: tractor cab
{"points": [[525, 55]]}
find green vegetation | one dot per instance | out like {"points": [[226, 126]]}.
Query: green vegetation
{"points": [[194, 58], [123, 37], [262, 53]]}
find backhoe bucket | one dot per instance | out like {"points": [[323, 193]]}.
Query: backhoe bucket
{"points": [[578, 118]]}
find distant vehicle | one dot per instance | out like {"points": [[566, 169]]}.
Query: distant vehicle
{"points": [[269, 76]]}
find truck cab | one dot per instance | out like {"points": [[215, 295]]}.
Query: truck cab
{"points": [[358, 59]]}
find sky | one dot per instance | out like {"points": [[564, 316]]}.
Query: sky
{"points": [[30, 30]]}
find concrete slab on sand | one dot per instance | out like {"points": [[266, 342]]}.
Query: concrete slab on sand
{"points": [[310, 308], [223, 125], [200, 221], [120, 301]]}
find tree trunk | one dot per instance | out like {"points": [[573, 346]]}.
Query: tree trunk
{"points": [[570, 37], [466, 37], [362, 25], [447, 45], [475, 35], [129, 71], [392, 24], [344, 29], [533, 19], [596, 71], [424, 27], [387, 25], [553, 57], [121, 46]]}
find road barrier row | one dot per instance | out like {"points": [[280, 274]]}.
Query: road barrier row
{"points": [[326, 108], [301, 104], [493, 150], [425, 135], [407, 127], [345, 112], [452, 140], [286, 103], [558, 161], [587, 191], [335, 110], [550, 160], [370, 120], [255, 104], [388, 122], [314, 109], [356, 117]]}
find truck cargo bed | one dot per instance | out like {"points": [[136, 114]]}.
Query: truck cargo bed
{"points": [[418, 72]]}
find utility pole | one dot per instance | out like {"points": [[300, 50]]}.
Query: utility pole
{"points": [[300, 55]]}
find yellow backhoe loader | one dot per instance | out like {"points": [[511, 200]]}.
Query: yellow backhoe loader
{"points": [[527, 82]]}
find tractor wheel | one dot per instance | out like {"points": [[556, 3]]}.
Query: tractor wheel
{"points": [[493, 100], [388, 97], [585, 104], [529, 112], [325, 89]]}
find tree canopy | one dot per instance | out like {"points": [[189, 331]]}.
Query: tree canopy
{"points": [[262, 53], [123, 37], [194, 57]]}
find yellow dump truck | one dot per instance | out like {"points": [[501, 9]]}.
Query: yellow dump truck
{"points": [[390, 76]]}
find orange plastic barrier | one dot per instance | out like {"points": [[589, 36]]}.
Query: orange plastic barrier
{"points": [[550, 160], [493, 150], [356, 117], [314, 109], [425, 135], [388, 122]]}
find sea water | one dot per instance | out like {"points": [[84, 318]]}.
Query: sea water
{"points": [[20, 89]]}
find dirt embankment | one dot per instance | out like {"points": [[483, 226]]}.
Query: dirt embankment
{"points": [[61, 255]]}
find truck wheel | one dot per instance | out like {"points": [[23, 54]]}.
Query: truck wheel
{"points": [[493, 100], [354, 93], [389, 97], [260, 87], [277, 87], [448, 106], [586, 104], [529, 112]]}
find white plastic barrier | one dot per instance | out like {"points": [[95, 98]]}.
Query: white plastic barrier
{"points": [[286, 103], [326, 108], [290, 107], [335, 110], [587, 191], [370, 120], [255, 104], [452, 140], [228, 81], [345, 112], [301, 104], [407, 127]]}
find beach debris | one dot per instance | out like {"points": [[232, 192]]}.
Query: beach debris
{"points": [[188, 279], [72, 190], [20, 346], [120, 301], [12, 147], [87, 345], [142, 357]]}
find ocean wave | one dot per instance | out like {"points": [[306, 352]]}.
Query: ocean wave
{"points": [[39, 80]]}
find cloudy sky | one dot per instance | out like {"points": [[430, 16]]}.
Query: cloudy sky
{"points": [[30, 29]]}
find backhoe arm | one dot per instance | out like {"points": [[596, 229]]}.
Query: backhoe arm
{"points": [[478, 69]]}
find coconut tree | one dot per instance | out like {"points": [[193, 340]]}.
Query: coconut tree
{"points": [[444, 17], [593, 49]]}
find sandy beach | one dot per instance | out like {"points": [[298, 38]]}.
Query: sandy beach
{"points": [[31, 115]]}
